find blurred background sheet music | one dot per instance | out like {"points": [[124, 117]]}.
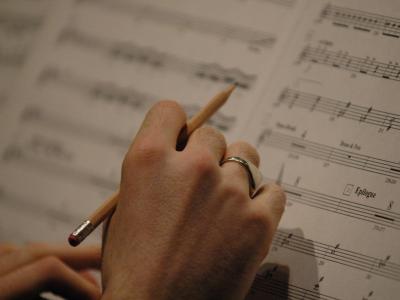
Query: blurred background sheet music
{"points": [[318, 83]]}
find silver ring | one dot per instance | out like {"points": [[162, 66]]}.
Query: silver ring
{"points": [[253, 173]]}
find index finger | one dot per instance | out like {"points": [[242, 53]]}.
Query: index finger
{"points": [[162, 123]]}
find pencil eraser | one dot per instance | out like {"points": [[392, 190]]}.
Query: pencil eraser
{"points": [[73, 240]]}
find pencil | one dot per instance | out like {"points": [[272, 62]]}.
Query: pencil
{"points": [[101, 213]]}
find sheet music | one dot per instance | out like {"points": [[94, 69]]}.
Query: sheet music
{"points": [[317, 87], [20, 24], [98, 68], [330, 117]]}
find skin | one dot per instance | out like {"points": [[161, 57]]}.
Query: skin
{"points": [[185, 227], [26, 272]]}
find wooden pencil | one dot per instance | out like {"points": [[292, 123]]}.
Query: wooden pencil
{"points": [[101, 213]]}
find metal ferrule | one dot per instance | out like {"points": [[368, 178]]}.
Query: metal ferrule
{"points": [[83, 230]]}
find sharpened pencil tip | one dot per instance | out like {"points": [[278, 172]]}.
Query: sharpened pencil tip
{"points": [[230, 89], [225, 94]]}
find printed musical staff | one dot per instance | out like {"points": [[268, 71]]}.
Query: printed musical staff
{"points": [[105, 91], [339, 109], [36, 207], [129, 97], [26, 158], [342, 60], [336, 254], [287, 3], [17, 34], [132, 53], [330, 154], [219, 120], [36, 116], [14, 58], [15, 24], [54, 156], [287, 291], [180, 20], [343, 207], [362, 20]]}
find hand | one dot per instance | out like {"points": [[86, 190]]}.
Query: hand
{"points": [[26, 272], [185, 227]]}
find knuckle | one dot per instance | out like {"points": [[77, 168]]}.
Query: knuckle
{"points": [[209, 131], [146, 150], [7, 248], [50, 265], [203, 163], [236, 193], [33, 250], [165, 107], [247, 150], [259, 221], [277, 199]]}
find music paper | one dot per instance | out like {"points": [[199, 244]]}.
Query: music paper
{"points": [[330, 118], [317, 86], [20, 24]]}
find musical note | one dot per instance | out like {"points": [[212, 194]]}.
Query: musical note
{"points": [[316, 286], [341, 206], [284, 290], [361, 20], [251, 37], [364, 117], [390, 206], [219, 120], [342, 257], [155, 59], [269, 273], [333, 251], [392, 120], [337, 108], [366, 66], [317, 100], [383, 263], [333, 155], [286, 240]]}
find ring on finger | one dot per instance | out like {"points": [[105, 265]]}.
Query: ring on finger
{"points": [[254, 175]]}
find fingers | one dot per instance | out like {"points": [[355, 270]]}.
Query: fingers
{"points": [[88, 275], [7, 248], [48, 274], [269, 204], [234, 172], [207, 139], [162, 124], [78, 258]]}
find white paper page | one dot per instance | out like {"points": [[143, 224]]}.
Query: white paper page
{"points": [[20, 24], [101, 65], [330, 119]]}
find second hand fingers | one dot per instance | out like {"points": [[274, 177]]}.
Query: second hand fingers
{"points": [[48, 274], [7, 248], [82, 258]]}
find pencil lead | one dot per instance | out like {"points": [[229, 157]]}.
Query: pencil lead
{"points": [[225, 94], [230, 89]]}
